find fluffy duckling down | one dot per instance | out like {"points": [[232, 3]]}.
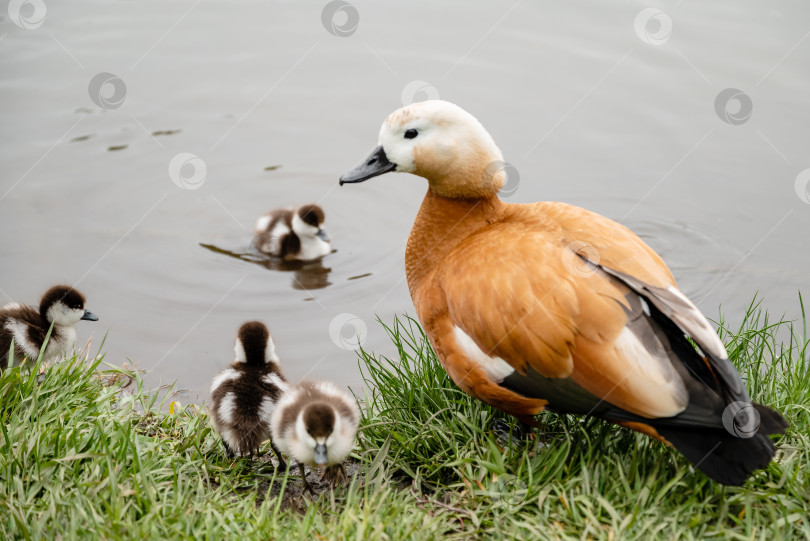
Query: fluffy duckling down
{"points": [[293, 234], [548, 305], [316, 423], [61, 306], [245, 394]]}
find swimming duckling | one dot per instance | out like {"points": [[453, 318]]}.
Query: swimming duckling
{"points": [[246, 393], [61, 306], [293, 234], [316, 422]]}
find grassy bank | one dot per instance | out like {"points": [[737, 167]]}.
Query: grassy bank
{"points": [[86, 452]]}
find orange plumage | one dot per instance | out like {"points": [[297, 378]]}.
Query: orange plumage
{"points": [[550, 306]]}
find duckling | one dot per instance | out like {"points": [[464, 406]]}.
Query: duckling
{"points": [[61, 306], [246, 393], [550, 306], [293, 234], [316, 422]]}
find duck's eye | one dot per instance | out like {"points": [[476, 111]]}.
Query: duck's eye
{"points": [[410, 134]]}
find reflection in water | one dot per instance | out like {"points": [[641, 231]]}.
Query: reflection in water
{"points": [[308, 274]]}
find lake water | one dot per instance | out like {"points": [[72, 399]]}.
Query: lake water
{"points": [[610, 107]]}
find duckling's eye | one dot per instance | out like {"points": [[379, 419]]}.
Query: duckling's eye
{"points": [[410, 134]]}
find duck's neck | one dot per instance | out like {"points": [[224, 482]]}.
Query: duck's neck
{"points": [[441, 224]]}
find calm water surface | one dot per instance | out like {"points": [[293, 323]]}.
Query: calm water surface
{"points": [[277, 108]]}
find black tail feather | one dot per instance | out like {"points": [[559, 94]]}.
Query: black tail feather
{"points": [[770, 421], [726, 458]]}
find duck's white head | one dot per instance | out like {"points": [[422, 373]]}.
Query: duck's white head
{"points": [[441, 142], [63, 305], [254, 345]]}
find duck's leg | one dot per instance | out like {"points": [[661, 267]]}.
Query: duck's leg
{"points": [[526, 431], [334, 474], [306, 486], [281, 464], [522, 432]]}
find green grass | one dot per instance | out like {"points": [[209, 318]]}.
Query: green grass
{"points": [[84, 456]]}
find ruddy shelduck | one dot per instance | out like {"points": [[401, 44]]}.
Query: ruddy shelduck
{"points": [[547, 306]]}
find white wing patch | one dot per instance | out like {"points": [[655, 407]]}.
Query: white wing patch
{"points": [[654, 381], [276, 381], [19, 331], [266, 409], [263, 222], [496, 368], [227, 408], [226, 375], [277, 234]]}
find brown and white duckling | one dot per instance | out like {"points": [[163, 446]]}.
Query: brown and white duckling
{"points": [[293, 234], [27, 326], [316, 422], [246, 393]]}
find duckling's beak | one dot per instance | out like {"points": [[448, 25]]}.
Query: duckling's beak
{"points": [[376, 164], [320, 454], [321, 234], [89, 316]]}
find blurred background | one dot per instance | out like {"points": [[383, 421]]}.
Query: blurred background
{"points": [[133, 131]]}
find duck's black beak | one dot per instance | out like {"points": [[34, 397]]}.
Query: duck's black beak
{"points": [[321, 234], [374, 165], [320, 454], [89, 316]]}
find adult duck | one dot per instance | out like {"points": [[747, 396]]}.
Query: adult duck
{"points": [[547, 306]]}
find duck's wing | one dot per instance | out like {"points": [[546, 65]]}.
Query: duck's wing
{"points": [[598, 237], [520, 299], [622, 254], [26, 327]]}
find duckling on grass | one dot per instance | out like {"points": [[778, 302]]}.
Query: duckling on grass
{"points": [[27, 326], [315, 423], [246, 393]]}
